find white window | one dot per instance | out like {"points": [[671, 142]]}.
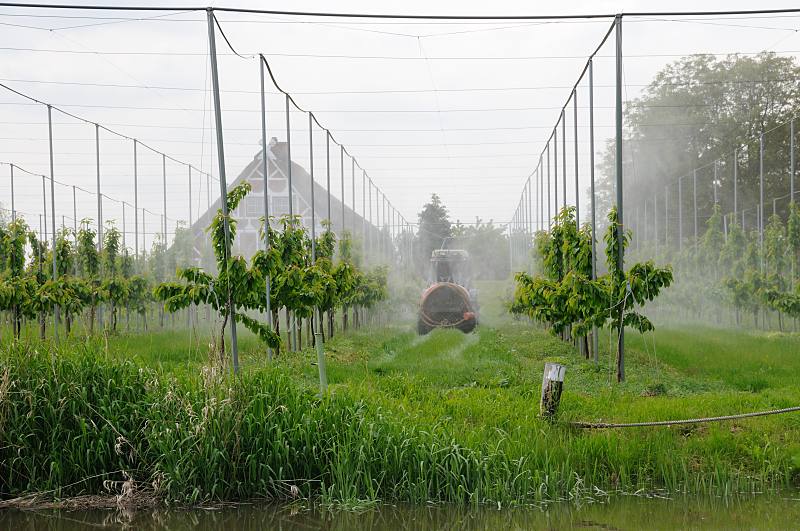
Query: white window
{"points": [[280, 206], [254, 207]]}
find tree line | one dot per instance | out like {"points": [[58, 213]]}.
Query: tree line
{"points": [[90, 277]]}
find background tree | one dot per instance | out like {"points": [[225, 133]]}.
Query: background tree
{"points": [[432, 233], [698, 109], [487, 246]]}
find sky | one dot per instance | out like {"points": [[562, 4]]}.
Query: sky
{"points": [[462, 109]]}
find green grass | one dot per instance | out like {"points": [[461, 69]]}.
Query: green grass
{"points": [[444, 417]]}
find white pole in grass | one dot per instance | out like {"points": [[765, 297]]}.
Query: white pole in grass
{"points": [[323, 375]]}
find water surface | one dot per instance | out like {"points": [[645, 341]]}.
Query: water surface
{"points": [[617, 513]]}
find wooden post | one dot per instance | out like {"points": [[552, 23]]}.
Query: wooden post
{"points": [[552, 386], [323, 376]]}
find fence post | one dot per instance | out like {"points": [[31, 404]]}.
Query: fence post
{"points": [[212, 48], [552, 388]]}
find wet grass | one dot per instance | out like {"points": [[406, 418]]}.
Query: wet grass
{"points": [[444, 417]]}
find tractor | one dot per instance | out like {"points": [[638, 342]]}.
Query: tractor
{"points": [[449, 301]]}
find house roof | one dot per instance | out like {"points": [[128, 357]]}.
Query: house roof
{"points": [[301, 186]]}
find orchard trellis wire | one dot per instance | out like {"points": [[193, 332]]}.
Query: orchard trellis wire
{"points": [[380, 230]]}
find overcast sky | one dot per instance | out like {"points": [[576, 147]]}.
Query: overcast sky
{"points": [[460, 109]]}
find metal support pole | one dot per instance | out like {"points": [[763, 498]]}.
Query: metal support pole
{"points": [[620, 228], [99, 197], [135, 199], [540, 203], [575, 143], [791, 161], [370, 227], [549, 212], [563, 160], [328, 174], [164, 193], [595, 339], [124, 226], [528, 205], [212, 49], [510, 253], [265, 173], [715, 182], [363, 210], [13, 207], [555, 170], [353, 195], [341, 168], [680, 213], [735, 183], [645, 231], [289, 159], [694, 202], [761, 198], [56, 308], [313, 200], [666, 216], [75, 225]]}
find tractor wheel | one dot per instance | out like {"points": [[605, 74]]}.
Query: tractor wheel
{"points": [[423, 328], [468, 326]]}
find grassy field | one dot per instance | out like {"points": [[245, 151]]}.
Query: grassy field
{"points": [[444, 417]]}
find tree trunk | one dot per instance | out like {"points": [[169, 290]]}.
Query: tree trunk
{"points": [[299, 345], [344, 319], [17, 324], [330, 323], [42, 327], [67, 322], [92, 312]]}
